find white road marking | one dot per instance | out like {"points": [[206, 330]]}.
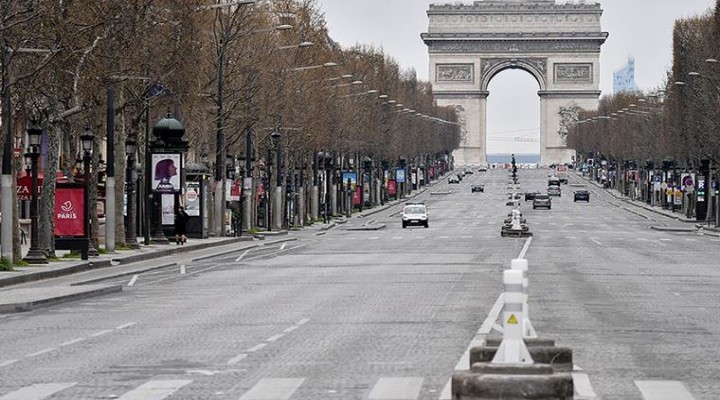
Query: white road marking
{"points": [[276, 337], [691, 240], [242, 255], [129, 324], [663, 390], [290, 329], [373, 238], [71, 342], [155, 390], [676, 293], [583, 388], [133, 280], [101, 333], [37, 353], [273, 389], [302, 322], [256, 348], [525, 248], [396, 389], [38, 391], [282, 247], [597, 242], [443, 237], [237, 359], [8, 362]]}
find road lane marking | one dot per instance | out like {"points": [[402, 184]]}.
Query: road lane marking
{"points": [[37, 353], [156, 390], [276, 337], [396, 389], [256, 348], [8, 362], [597, 242], [105, 332], [525, 248], [282, 247], [133, 280], [71, 342], [273, 389], [242, 255], [290, 329], [129, 324], [582, 387], [302, 322], [38, 391], [237, 359], [663, 390]]}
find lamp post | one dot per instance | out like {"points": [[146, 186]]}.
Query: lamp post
{"points": [[35, 255], [130, 178], [276, 137], [87, 139]]}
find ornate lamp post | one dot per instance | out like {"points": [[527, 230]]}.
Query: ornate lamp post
{"points": [[87, 139], [130, 178], [35, 255]]}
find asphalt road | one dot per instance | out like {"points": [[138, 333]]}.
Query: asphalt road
{"points": [[387, 314]]}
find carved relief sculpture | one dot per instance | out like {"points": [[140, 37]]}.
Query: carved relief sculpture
{"points": [[580, 73], [568, 117], [454, 73]]}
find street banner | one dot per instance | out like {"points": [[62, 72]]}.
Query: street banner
{"points": [[391, 187], [399, 175], [232, 190], [24, 188], [70, 212], [366, 188], [192, 199], [356, 196], [165, 167], [352, 176]]}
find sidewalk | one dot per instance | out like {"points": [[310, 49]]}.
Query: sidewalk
{"points": [[692, 225]]}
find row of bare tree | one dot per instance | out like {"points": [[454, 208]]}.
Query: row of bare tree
{"points": [[678, 122], [222, 67]]}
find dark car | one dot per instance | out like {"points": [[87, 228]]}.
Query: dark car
{"points": [[478, 188], [581, 195], [482, 169], [529, 196], [542, 200]]}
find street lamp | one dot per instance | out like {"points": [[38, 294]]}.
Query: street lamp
{"points": [[130, 178], [87, 139], [35, 255]]}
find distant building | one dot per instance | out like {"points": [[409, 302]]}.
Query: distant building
{"points": [[624, 78]]}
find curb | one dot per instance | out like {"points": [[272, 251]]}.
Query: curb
{"points": [[55, 273], [31, 305]]}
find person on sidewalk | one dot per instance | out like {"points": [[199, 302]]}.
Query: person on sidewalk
{"points": [[181, 218]]}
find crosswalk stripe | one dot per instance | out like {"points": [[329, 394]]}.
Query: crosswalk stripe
{"points": [[273, 389], [154, 390], [38, 391], [582, 387], [396, 389], [663, 390]]}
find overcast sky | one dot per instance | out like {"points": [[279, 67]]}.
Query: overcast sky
{"points": [[638, 28]]}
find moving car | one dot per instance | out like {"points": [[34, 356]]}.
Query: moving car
{"points": [[478, 188], [554, 181], [553, 191], [482, 169], [542, 200], [453, 179], [581, 195], [531, 195], [415, 214]]}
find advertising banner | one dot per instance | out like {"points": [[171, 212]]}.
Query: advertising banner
{"points": [[70, 212], [192, 199], [232, 190], [366, 188], [356, 196], [166, 177], [399, 175], [391, 187], [352, 176], [168, 209]]}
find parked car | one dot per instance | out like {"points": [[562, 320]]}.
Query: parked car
{"points": [[581, 195], [542, 201], [415, 214], [478, 188], [529, 196], [554, 191]]}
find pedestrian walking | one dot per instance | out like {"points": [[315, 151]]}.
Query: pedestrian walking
{"points": [[181, 218]]}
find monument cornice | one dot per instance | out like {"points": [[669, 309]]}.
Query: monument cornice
{"points": [[522, 36], [506, 45], [530, 6]]}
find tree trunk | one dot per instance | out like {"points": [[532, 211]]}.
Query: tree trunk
{"points": [[46, 221]]}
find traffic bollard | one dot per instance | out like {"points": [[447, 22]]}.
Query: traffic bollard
{"points": [[513, 349], [521, 264]]}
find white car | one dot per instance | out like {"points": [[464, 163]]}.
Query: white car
{"points": [[415, 214]]}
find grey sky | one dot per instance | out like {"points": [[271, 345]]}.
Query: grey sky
{"points": [[638, 28]]}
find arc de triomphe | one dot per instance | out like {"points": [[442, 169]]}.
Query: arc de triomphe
{"points": [[558, 44]]}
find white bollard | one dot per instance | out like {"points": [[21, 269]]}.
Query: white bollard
{"points": [[513, 350], [516, 225], [521, 264]]}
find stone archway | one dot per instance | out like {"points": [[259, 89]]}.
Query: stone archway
{"points": [[558, 44]]}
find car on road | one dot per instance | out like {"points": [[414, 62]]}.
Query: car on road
{"points": [[581, 195], [415, 214], [529, 196], [554, 191], [478, 188], [453, 179], [482, 169], [542, 201]]}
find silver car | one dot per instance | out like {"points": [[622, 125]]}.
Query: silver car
{"points": [[542, 201]]}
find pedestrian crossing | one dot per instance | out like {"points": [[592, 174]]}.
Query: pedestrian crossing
{"points": [[384, 388]]}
